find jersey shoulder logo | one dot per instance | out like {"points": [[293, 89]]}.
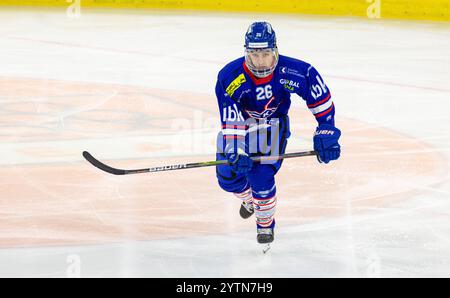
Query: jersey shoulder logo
{"points": [[237, 82]]}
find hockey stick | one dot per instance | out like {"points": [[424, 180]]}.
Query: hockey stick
{"points": [[98, 164]]}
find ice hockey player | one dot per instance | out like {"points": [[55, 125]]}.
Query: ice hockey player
{"points": [[254, 96]]}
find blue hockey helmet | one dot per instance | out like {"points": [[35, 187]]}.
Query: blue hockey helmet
{"points": [[260, 37]]}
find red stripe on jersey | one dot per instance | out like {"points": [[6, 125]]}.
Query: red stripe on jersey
{"points": [[257, 81], [325, 112], [233, 137], [234, 126], [320, 102]]}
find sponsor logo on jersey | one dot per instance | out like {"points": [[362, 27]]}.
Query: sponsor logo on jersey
{"points": [[232, 113], [317, 90], [237, 82], [290, 88], [290, 71], [289, 84]]}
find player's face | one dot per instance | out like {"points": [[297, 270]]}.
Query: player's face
{"points": [[262, 59]]}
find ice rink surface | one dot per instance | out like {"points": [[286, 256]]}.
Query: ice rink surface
{"points": [[136, 89]]}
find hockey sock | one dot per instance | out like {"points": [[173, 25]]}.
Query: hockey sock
{"points": [[265, 210], [245, 196]]}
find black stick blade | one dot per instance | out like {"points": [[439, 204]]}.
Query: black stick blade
{"points": [[101, 165]]}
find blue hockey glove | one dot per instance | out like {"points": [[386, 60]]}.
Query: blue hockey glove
{"points": [[239, 161], [326, 143]]}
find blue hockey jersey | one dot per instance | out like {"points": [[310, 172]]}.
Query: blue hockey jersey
{"points": [[242, 96]]}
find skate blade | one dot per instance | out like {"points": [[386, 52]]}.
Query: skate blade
{"points": [[266, 248]]}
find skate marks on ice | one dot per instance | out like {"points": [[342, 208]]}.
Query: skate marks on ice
{"points": [[53, 197]]}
